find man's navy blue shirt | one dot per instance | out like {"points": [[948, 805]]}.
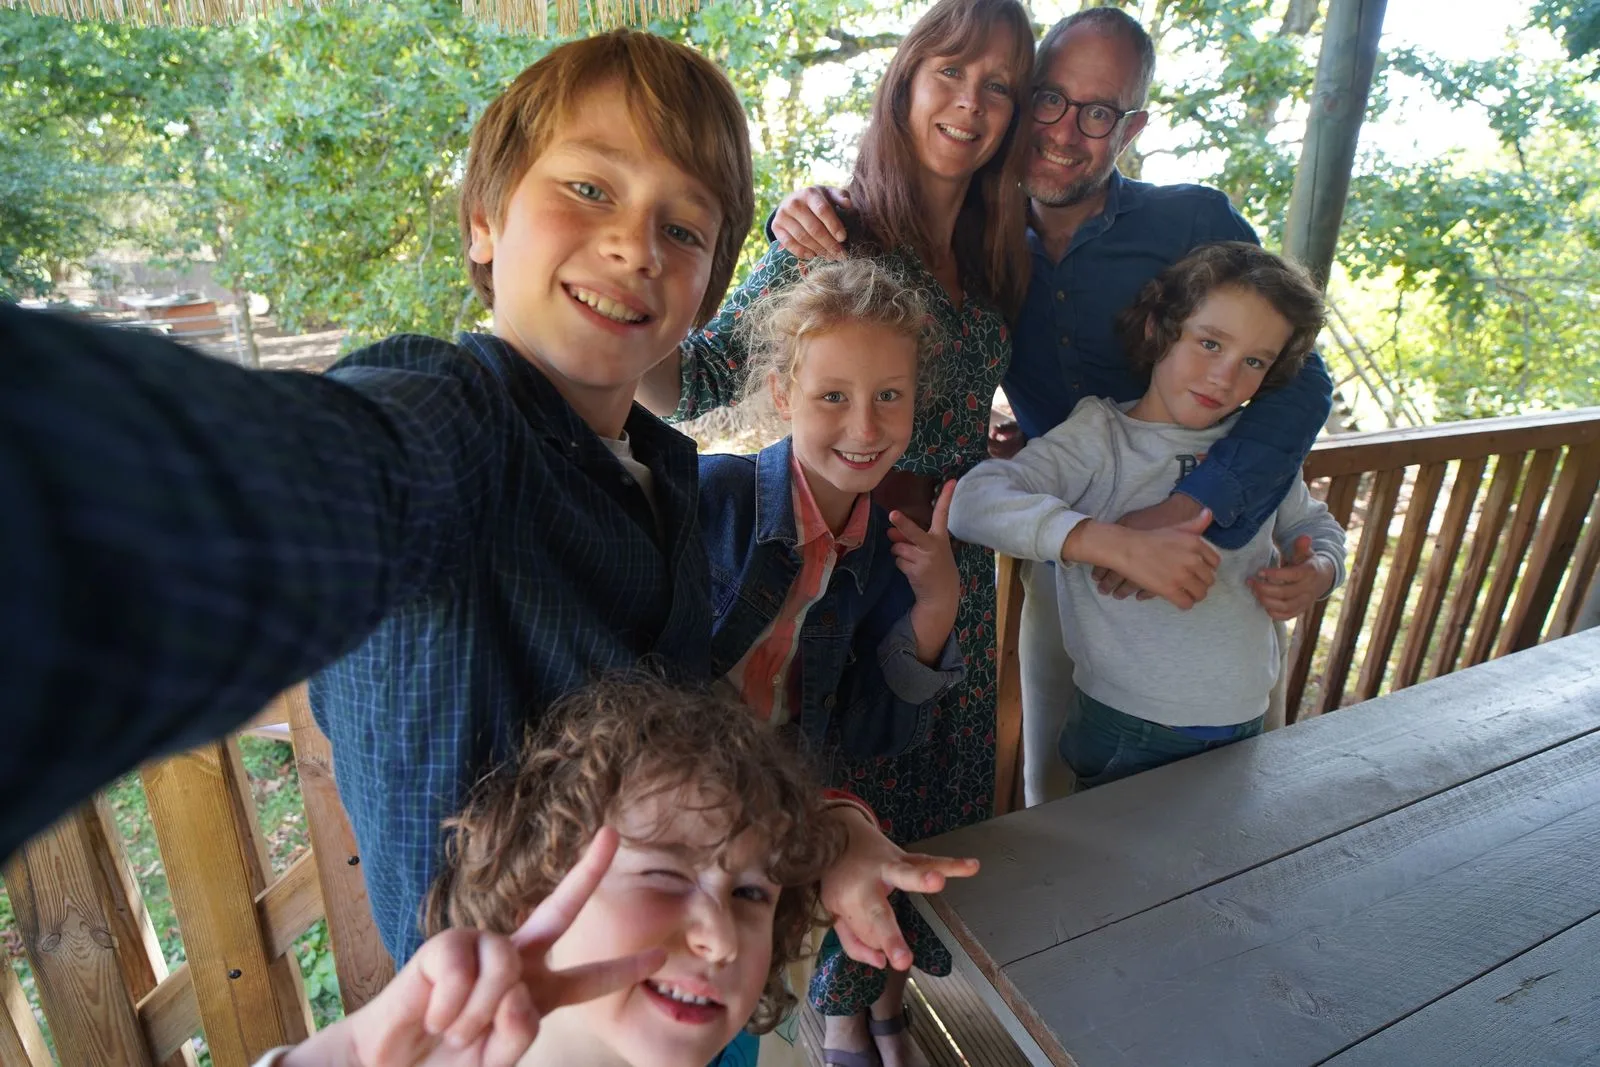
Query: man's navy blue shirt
{"points": [[1065, 348]]}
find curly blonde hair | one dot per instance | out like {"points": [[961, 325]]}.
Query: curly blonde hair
{"points": [[829, 294], [614, 744]]}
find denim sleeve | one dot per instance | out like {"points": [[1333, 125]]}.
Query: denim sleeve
{"points": [[1246, 475], [910, 679], [886, 697], [181, 539], [712, 358]]}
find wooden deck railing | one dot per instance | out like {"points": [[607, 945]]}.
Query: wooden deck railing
{"points": [[1507, 562], [1492, 565], [1429, 591], [99, 971]]}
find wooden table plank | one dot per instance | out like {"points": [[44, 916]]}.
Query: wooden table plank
{"points": [[1060, 870], [1542, 1007], [1293, 961]]}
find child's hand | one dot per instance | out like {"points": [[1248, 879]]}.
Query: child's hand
{"points": [[1174, 563], [474, 999], [855, 890], [1287, 592], [925, 558]]}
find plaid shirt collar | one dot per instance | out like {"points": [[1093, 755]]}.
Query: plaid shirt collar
{"points": [[548, 412]]}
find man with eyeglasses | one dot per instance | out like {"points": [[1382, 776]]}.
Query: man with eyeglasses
{"points": [[1096, 238]]}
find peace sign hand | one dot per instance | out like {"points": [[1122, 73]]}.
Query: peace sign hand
{"points": [[929, 564], [474, 999]]}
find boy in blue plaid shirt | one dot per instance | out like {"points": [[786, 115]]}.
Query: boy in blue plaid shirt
{"points": [[497, 508], [477, 528]]}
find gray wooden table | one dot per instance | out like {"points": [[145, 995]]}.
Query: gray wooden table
{"points": [[1410, 881]]}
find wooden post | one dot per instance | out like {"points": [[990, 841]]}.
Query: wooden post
{"points": [[1529, 503], [1350, 35], [1341, 500], [1580, 604], [1557, 538], [363, 964], [1402, 569], [1446, 547], [21, 1041], [83, 940], [1485, 539], [250, 1002], [1008, 687], [1358, 587]]}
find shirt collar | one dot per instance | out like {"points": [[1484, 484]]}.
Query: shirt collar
{"points": [[775, 513], [1122, 196], [548, 412], [809, 525]]}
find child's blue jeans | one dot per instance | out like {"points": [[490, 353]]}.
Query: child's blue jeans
{"points": [[1102, 744]]}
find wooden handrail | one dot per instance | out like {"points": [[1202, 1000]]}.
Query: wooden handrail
{"points": [[1380, 450]]}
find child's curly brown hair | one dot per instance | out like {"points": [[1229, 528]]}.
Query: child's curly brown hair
{"points": [[1150, 325], [616, 743]]}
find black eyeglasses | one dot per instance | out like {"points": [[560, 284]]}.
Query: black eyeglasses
{"points": [[1095, 119]]}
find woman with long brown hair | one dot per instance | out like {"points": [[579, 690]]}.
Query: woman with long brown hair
{"points": [[935, 194]]}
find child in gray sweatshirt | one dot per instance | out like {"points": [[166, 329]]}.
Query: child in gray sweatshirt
{"points": [[1195, 670]]}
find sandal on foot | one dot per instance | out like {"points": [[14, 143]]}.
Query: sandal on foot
{"points": [[893, 1025], [838, 1057]]}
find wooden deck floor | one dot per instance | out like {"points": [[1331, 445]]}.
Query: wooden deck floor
{"points": [[949, 1022]]}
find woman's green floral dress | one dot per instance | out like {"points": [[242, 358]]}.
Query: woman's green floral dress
{"points": [[949, 781]]}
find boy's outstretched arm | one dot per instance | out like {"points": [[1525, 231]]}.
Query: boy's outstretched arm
{"points": [[181, 538]]}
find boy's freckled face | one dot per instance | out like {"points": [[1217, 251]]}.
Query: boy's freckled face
{"points": [[1218, 362], [712, 912], [851, 406], [603, 256]]}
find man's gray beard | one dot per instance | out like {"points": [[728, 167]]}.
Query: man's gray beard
{"points": [[1075, 193]]}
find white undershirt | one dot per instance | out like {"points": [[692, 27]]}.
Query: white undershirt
{"points": [[623, 450]]}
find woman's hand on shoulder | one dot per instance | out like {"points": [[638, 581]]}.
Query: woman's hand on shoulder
{"points": [[807, 222]]}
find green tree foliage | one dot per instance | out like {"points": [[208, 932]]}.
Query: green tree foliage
{"points": [[1577, 22], [315, 155], [1466, 285], [83, 108]]}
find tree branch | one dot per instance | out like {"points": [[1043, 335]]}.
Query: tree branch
{"points": [[850, 46]]}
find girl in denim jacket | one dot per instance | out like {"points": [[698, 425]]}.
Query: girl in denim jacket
{"points": [[832, 618], [831, 615]]}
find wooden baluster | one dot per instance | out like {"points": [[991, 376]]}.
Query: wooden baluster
{"points": [[84, 939], [1358, 589], [1008, 792], [1442, 563], [1520, 535], [362, 963], [1585, 561], [285, 910], [1402, 569], [250, 1002], [1341, 501], [1485, 539], [1552, 549], [21, 1040]]}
